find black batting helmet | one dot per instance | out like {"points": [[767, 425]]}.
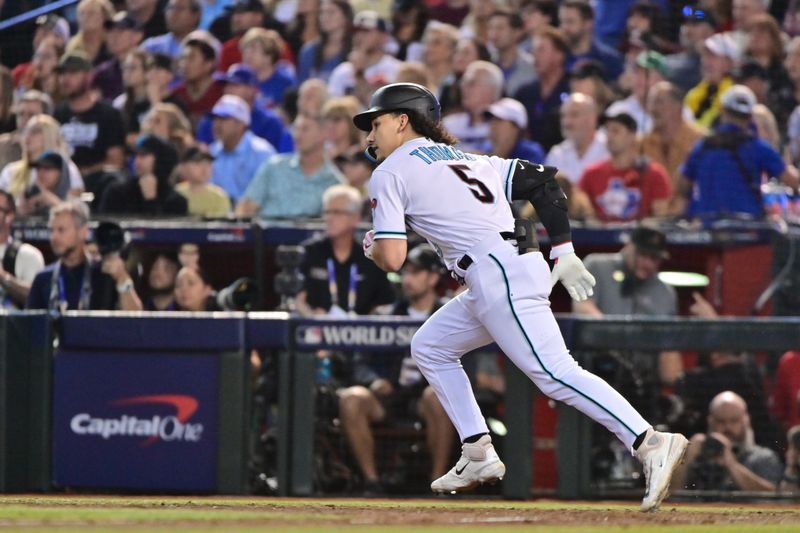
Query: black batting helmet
{"points": [[399, 97]]}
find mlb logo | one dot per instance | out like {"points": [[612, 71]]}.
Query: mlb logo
{"points": [[311, 335]]}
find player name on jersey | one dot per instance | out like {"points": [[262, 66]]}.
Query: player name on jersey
{"points": [[440, 152]]}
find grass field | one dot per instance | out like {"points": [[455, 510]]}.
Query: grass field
{"points": [[199, 514]]}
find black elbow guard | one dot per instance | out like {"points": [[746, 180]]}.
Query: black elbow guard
{"points": [[537, 184]]}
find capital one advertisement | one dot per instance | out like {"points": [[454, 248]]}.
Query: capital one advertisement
{"points": [[135, 420]]}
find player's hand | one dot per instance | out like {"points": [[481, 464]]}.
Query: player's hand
{"points": [[366, 245], [574, 277]]}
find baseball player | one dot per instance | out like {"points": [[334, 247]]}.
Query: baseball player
{"points": [[459, 202]]}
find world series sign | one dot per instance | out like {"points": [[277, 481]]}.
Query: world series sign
{"points": [[135, 421]]}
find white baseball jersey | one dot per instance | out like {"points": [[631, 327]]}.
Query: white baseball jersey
{"points": [[451, 198]]}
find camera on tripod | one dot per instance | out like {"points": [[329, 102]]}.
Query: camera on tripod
{"points": [[289, 281]]}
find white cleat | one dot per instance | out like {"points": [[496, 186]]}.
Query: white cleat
{"points": [[478, 464], [660, 454]]}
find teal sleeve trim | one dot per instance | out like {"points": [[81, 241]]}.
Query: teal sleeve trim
{"points": [[536, 355], [394, 233]]}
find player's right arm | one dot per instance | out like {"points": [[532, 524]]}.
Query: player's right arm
{"points": [[388, 199]]}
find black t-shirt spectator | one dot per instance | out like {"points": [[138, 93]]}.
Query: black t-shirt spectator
{"points": [[103, 294], [544, 119], [157, 25], [91, 133], [372, 286], [126, 199]]}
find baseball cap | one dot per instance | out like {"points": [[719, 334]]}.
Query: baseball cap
{"points": [[369, 20], [652, 60], [739, 99], [194, 154], [49, 159], [205, 39], [424, 257], [242, 6], [508, 109], [239, 74], [74, 61], [232, 106], [650, 241], [622, 118], [123, 21], [722, 44], [55, 24], [693, 15]]}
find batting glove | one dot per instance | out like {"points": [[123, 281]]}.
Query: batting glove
{"points": [[366, 244], [573, 275]]}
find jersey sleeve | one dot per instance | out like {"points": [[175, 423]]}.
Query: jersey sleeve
{"points": [[387, 199], [504, 169]]}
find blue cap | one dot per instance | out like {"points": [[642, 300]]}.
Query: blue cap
{"points": [[238, 73]]}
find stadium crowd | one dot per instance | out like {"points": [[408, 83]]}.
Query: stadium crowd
{"points": [[213, 109]]}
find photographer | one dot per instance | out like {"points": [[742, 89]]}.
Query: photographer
{"points": [[75, 281], [790, 481], [726, 458]]}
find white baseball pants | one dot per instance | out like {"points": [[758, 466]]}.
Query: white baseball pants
{"points": [[507, 301]]}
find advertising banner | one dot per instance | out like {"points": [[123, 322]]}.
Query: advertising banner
{"points": [[138, 421]]}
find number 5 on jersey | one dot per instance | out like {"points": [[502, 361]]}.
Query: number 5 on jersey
{"points": [[476, 187]]}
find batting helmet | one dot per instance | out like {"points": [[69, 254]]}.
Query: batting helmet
{"points": [[399, 97]]}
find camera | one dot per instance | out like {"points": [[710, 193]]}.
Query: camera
{"points": [[111, 238], [240, 295], [711, 449], [289, 281]]}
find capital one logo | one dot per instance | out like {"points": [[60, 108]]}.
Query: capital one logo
{"points": [[172, 428]]}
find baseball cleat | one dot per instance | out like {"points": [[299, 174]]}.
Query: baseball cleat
{"points": [[660, 454], [478, 464]]}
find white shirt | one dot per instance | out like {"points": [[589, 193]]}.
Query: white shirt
{"points": [[343, 77], [472, 136], [75, 179], [564, 156], [29, 262], [451, 198]]}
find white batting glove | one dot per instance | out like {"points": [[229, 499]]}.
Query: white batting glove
{"points": [[366, 244], [574, 277]]}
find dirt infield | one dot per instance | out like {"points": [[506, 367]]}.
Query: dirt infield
{"points": [[61, 513]]}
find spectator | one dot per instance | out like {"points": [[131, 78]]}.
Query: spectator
{"points": [[193, 291], [189, 255], [439, 48], [91, 127], [588, 77], [133, 103], [357, 169], [212, 10], [785, 400], [543, 97], [161, 282], [409, 20], [19, 261], [412, 72], [342, 138], [311, 96], [368, 66], [91, 37], [645, 29], [684, 67], [505, 33], [42, 74], [74, 280], [167, 121], [204, 198], [291, 185], [766, 126], [583, 142], [7, 118], [790, 481], [181, 17], [261, 51], [318, 58], [508, 123], [626, 187], [339, 280], [719, 55], [723, 172], [31, 103], [576, 21], [467, 52], [672, 136], [304, 28], [123, 36], [386, 386], [160, 79], [148, 191], [650, 68], [48, 27], [149, 14], [476, 23], [198, 91], [452, 11], [238, 154], [52, 185], [537, 14], [628, 284], [725, 457], [41, 134], [241, 81], [481, 86], [753, 76]]}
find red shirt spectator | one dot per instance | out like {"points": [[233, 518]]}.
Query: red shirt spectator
{"points": [[785, 401]]}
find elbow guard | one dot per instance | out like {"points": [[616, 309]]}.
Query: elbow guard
{"points": [[537, 184]]}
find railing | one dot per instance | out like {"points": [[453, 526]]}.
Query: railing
{"points": [[33, 13]]}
